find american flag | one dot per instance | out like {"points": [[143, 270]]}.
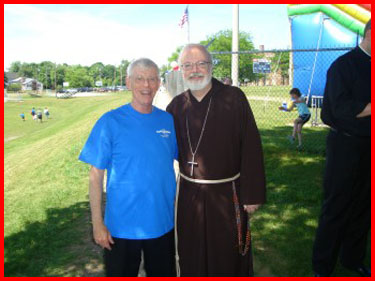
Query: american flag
{"points": [[185, 17]]}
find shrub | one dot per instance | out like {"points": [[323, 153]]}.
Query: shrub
{"points": [[16, 87]]}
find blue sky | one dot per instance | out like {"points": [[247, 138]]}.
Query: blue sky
{"points": [[85, 34]]}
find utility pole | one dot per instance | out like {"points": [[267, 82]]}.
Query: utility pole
{"points": [[55, 80], [114, 75], [120, 75], [235, 31], [55, 76]]}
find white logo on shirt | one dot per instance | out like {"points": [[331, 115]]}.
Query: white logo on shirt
{"points": [[163, 133]]}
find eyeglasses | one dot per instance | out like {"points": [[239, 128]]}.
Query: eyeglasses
{"points": [[151, 80], [200, 64]]}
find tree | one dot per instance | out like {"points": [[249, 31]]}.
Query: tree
{"points": [[29, 70], [175, 54], [122, 72], [5, 78], [222, 41], [45, 69], [78, 77], [163, 70], [108, 75], [60, 75], [280, 63], [96, 71], [15, 67]]}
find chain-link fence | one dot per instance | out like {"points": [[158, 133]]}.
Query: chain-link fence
{"points": [[266, 77]]}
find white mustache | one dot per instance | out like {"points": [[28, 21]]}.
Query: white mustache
{"points": [[196, 75]]}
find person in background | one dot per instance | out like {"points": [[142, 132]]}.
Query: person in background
{"points": [[39, 115], [33, 113], [46, 112]]}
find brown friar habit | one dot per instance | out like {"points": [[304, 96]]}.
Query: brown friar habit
{"points": [[206, 217]]}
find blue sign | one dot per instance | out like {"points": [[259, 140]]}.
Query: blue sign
{"points": [[261, 66]]}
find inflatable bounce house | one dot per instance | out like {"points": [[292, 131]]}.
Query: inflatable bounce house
{"points": [[325, 32]]}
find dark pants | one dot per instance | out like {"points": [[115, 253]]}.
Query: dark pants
{"points": [[125, 257], [345, 217]]}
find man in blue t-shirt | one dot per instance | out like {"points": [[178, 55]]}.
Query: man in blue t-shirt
{"points": [[136, 144]]}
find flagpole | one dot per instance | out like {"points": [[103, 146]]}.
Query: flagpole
{"points": [[188, 25]]}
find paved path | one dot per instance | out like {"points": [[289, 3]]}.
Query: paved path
{"points": [[162, 98]]}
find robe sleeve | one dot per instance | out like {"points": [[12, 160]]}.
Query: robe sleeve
{"points": [[252, 180]]}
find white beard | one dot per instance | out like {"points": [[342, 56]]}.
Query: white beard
{"points": [[198, 85]]}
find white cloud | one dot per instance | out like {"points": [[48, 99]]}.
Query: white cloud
{"points": [[35, 35]]}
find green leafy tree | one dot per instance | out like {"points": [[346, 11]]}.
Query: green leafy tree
{"points": [[28, 70], [175, 54], [15, 67], [45, 70], [108, 75], [280, 64], [222, 41], [96, 71], [78, 77], [124, 65], [163, 69], [60, 75]]}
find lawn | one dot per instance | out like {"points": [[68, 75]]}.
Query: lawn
{"points": [[45, 186], [47, 229]]}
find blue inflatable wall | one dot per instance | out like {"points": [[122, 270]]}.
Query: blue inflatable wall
{"points": [[306, 31]]}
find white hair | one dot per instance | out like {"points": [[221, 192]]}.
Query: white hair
{"points": [[142, 62], [198, 46]]}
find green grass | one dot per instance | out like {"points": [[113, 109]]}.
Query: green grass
{"points": [[45, 186], [47, 229]]}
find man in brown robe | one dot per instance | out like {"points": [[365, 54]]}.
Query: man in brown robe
{"points": [[217, 140]]}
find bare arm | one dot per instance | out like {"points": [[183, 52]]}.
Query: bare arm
{"points": [[300, 100], [365, 112], [101, 233]]}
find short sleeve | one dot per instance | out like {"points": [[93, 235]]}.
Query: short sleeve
{"points": [[98, 148], [175, 142]]}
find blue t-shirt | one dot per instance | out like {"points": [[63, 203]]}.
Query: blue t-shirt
{"points": [[138, 152], [302, 107]]}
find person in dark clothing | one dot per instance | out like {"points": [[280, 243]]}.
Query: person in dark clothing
{"points": [[39, 115], [345, 217], [221, 168]]}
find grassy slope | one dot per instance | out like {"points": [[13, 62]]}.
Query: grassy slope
{"points": [[45, 186]]}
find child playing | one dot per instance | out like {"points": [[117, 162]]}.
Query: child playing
{"points": [[22, 116], [303, 112]]}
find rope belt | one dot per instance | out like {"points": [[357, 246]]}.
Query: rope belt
{"points": [[210, 181], [237, 210]]}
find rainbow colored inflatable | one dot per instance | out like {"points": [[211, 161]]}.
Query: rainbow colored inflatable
{"points": [[351, 16], [321, 28]]}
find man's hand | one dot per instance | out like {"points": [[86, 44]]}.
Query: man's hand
{"points": [[250, 209], [102, 236], [100, 231], [366, 112]]}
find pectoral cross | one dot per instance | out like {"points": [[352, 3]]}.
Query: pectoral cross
{"points": [[192, 164]]}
